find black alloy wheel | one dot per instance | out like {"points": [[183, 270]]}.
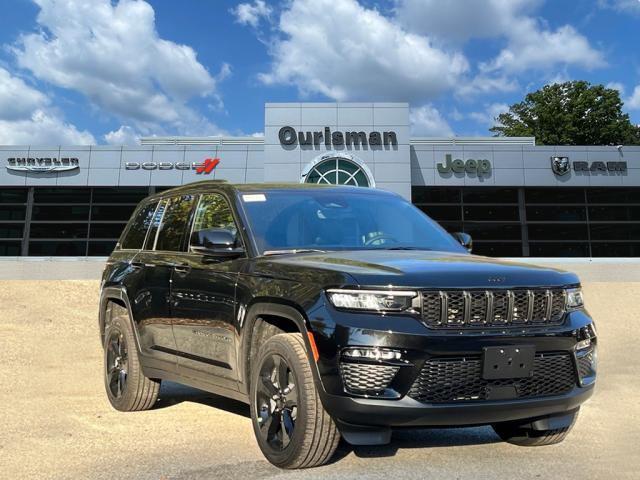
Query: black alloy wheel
{"points": [[117, 364], [276, 402]]}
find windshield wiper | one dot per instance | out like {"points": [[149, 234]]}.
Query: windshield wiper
{"points": [[406, 248], [292, 251]]}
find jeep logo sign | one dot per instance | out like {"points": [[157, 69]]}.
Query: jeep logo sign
{"points": [[470, 166]]}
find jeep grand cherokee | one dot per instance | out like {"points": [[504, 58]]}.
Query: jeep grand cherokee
{"points": [[338, 312]]}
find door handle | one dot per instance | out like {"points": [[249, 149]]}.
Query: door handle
{"points": [[136, 265], [182, 268]]}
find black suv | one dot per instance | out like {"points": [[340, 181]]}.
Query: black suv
{"points": [[338, 312]]}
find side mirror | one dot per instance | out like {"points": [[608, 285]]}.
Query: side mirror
{"points": [[465, 240], [215, 241]]}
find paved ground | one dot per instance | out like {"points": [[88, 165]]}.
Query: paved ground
{"points": [[55, 421]]}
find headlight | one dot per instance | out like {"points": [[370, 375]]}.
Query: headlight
{"points": [[375, 300], [574, 299]]}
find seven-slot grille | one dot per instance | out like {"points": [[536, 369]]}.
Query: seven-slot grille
{"points": [[459, 379], [493, 308]]}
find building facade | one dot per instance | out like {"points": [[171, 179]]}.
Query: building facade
{"points": [[515, 198]]}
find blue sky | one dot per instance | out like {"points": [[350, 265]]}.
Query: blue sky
{"points": [[100, 71]]}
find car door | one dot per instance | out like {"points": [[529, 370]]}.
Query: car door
{"points": [[156, 261], [203, 303]]}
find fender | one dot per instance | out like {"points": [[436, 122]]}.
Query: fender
{"points": [[116, 293], [279, 310]]}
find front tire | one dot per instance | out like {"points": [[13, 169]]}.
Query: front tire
{"points": [[292, 428], [127, 388]]}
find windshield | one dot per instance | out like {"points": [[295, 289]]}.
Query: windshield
{"points": [[331, 220]]}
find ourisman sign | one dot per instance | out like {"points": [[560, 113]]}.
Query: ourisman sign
{"points": [[289, 136]]}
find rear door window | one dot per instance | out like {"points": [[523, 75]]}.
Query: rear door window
{"points": [[134, 237], [174, 223]]}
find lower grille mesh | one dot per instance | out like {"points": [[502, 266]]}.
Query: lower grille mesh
{"points": [[458, 379], [362, 378]]}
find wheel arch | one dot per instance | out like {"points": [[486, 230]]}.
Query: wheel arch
{"points": [[117, 295], [263, 320]]}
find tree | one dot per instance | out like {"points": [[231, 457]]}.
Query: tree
{"points": [[570, 113]]}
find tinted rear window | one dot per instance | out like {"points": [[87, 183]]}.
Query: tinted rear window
{"points": [[174, 223], [134, 238]]}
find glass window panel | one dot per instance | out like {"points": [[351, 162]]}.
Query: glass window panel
{"points": [[493, 231], [60, 212], [174, 224], [10, 249], [435, 195], [613, 195], [106, 212], [561, 249], [111, 230], [13, 195], [62, 195], [59, 248], [614, 213], [615, 231], [134, 237], [58, 230], [554, 195], [491, 212], [12, 213], [438, 212], [101, 249], [119, 194], [557, 213], [214, 212], [11, 230], [490, 195], [555, 231], [500, 249], [603, 249], [154, 225]]}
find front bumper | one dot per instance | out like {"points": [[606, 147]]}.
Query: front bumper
{"points": [[336, 330]]}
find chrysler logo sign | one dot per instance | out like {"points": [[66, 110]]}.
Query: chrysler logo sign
{"points": [[562, 166], [42, 164]]}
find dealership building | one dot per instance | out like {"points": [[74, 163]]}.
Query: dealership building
{"points": [[516, 199]]}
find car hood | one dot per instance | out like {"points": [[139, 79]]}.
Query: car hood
{"points": [[428, 269]]}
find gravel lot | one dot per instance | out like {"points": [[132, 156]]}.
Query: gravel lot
{"points": [[57, 423]]}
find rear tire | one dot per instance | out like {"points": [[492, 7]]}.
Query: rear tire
{"points": [[291, 426], [527, 437], [128, 390]]}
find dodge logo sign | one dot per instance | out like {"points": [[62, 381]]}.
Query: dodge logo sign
{"points": [[560, 165]]}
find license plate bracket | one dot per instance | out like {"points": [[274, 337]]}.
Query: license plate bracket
{"points": [[508, 362]]}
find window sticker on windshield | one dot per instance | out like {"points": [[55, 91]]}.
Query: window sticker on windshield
{"points": [[254, 197]]}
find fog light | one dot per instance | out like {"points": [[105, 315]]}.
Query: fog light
{"points": [[372, 353], [582, 344]]}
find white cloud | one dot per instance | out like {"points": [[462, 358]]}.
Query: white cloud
{"points": [[125, 135], [530, 45], [484, 84], [251, 14], [111, 53], [26, 117], [427, 121], [17, 99], [531, 48], [460, 20], [42, 128], [633, 102], [488, 117], [625, 6], [346, 51], [616, 86]]}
